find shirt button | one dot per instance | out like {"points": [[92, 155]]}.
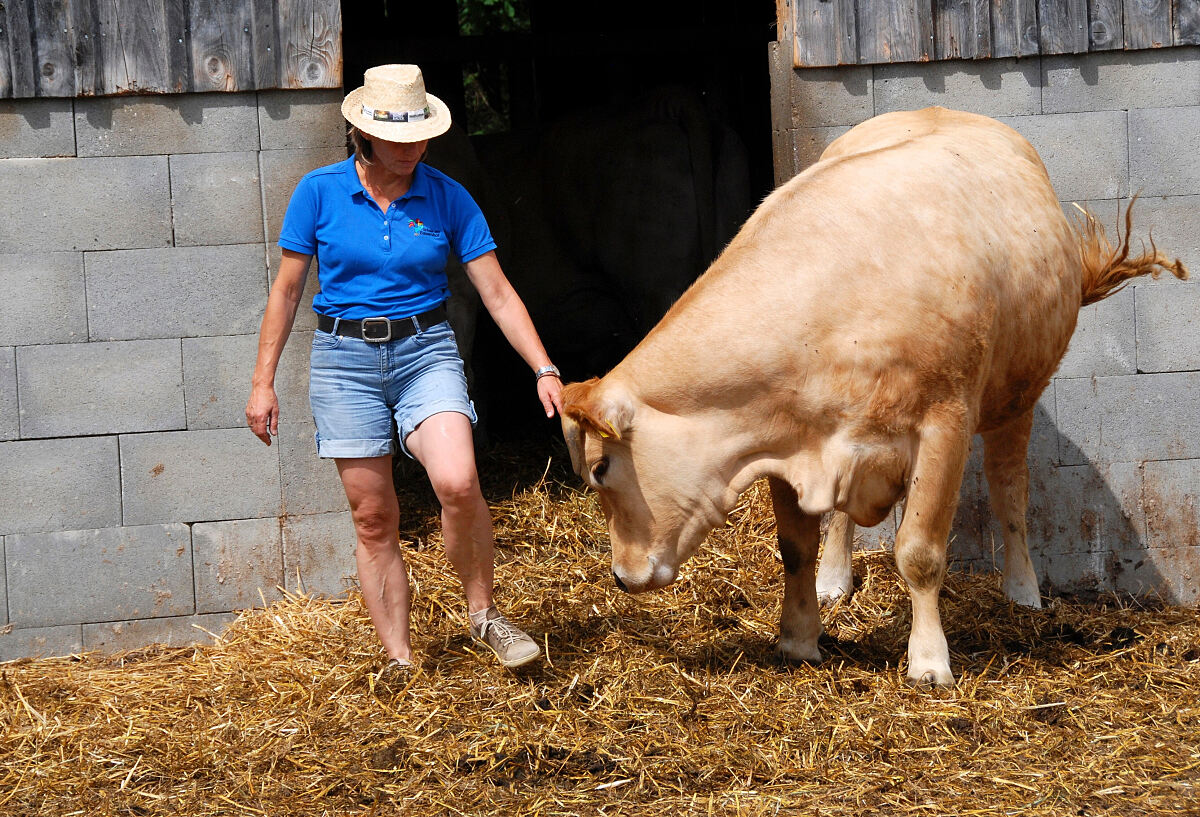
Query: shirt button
{"points": [[386, 237]]}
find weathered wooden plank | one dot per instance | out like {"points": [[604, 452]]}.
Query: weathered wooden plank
{"points": [[130, 47], [1187, 22], [824, 33], [178, 44], [5, 56], [1063, 26], [20, 51], [1147, 23], [1105, 25], [265, 41], [1015, 28], [83, 25], [962, 29], [221, 50], [310, 36], [894, 31], [54, 48]]}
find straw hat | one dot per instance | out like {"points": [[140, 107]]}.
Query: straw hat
{"points": [[392, 105]]}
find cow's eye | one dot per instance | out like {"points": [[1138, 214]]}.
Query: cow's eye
{"points": [[599, 470]]}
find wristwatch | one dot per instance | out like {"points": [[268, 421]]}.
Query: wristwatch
{"points": [[545, 370]]}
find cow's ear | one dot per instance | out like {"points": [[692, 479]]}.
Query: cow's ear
{"points": [[596, 411]]}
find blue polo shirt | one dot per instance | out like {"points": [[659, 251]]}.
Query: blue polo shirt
{"points": [[375, 263]]}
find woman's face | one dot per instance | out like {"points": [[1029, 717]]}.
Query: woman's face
{"points": [[397, 157]]}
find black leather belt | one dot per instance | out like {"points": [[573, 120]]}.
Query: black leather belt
{"points": [[381, 330]]}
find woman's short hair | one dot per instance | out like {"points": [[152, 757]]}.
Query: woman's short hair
{"points": [[361, 144]]}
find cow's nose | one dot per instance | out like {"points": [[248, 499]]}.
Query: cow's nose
{"points": [[619, 583]]}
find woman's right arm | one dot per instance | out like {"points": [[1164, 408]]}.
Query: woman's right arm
{"points": [[262, 410]]}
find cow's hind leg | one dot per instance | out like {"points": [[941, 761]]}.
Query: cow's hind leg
{"points": [[921, 544], [799, 533], [835, 576], [1004, 463]]}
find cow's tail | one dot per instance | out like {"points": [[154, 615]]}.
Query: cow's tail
{"points": [[1106, 269]]}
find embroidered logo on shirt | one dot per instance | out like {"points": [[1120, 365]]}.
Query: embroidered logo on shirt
{"points": [[418, 227]]}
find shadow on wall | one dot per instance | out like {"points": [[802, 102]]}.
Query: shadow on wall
{"points": [[1085, 524]]}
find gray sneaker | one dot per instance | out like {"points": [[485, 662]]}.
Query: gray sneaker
{"points": [[512, 646]]}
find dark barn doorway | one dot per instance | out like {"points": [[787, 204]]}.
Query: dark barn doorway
{"points": [[615, 148]]}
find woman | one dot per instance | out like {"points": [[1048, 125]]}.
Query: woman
{"points": [[382, 224]]}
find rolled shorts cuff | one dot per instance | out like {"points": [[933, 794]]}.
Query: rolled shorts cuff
{"points": [[410, 423], [334, 449]]}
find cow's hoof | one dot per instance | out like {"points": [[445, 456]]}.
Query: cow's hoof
{"points": [[931, 678], [1024, 595], [829, 596], [794, 652]]}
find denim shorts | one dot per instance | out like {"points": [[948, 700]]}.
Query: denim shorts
{"points": [[358, 389]]}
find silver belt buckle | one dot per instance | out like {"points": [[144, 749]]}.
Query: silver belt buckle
{"points": [[387, 325]]}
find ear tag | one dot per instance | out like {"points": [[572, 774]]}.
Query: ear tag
{"points": [[615, 433]]}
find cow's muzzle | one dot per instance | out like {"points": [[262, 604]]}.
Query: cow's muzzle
{"points": [[617, 581]]}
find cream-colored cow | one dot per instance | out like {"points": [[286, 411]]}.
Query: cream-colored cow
{"points": [[916, 286]]}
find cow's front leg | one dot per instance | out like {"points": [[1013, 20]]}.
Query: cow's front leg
{"points": [[1004, 463], [835, 576], [799, 535], [921, 543]]}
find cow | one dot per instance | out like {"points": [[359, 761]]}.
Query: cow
{"points": [[914, 287]]}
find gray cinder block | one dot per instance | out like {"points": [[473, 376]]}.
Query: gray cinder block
{"points": [[41, 642], [216, 199], [1173, 222], [281, 169], [176, 292], [1006, 87], [179, 631], [811, 143], [1163, 160], [828, 97], [301, 119], [1168, 327], [216, 380], [1104, 342], [36, 128], [310, 484], [51, 485], [76, 389], [85, 204], [76, 576], [9, 427], [1092, 508], [1172, 574], [48, 306], [1121, 80], [291, 378], [318, 553], [192, 476], [184, 123], [235, 561], [1171, 496], [3, 585], [1129, 418], [1086, 154]]}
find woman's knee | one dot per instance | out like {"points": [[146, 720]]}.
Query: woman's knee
{"points": [[375, 522], [457, 489]]}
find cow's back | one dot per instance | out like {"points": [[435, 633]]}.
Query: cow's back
{"points": [[925, 258]]}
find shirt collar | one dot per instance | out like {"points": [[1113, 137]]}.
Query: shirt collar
{"points": [[418, 189]]}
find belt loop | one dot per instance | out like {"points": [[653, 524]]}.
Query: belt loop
{"points": [[416, 325], [336, 321]]}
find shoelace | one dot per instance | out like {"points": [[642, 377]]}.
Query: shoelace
{"points": [[506, 633]]}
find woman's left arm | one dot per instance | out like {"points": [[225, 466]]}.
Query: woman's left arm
{"points": [[509, 313]]}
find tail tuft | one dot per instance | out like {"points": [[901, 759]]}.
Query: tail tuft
{"points": [[1107, 270]]}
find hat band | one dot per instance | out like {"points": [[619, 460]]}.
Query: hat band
{"points": [[397, 116]]}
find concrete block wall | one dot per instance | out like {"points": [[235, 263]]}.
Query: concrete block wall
{"points": [[1116, 449], [136, 251]]}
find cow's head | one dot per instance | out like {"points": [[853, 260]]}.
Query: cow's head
{"points": [[660, 493]]}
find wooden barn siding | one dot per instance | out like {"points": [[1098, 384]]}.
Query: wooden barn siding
{"points": [[846, 32], [67, 48]]}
